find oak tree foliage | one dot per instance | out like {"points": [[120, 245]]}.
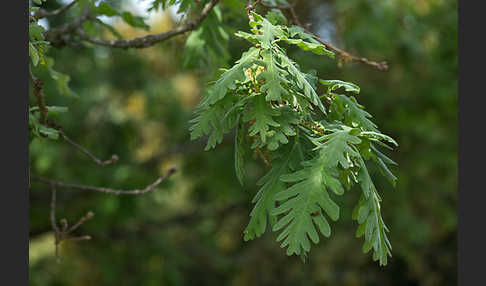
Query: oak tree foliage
{"points": [[317, 144]]}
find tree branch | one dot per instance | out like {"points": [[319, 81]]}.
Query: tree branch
{"points": [[113, 159], [63, 234], [60, 36], [343, 55], [54, 226], [39, 94], [347, 57], [150, 188], [82, 220], [41, 13], [150, 40]]}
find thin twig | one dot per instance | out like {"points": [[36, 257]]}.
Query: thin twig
{"points": [[82, 220], [150, 40], [347, 57], [113, 159], [55, 228], [39, 94], [148, 189], [63, 234], [41, 13], [343, 55], [60, 36], [78, 238]]}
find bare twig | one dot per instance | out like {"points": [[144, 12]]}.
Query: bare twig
{"points": [[150, 40], [61, 36], [55, 228], [78, 238], [148, 189], [347, 57], [82, 220], [113, 159], [343, 55], [41, 13], [63, 234], [39, 94]]}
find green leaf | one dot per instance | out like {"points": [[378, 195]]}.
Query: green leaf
{"points": [[287, 121], [206, 46], [33, 54], [228, 79], [240, 152], [336, 84], [62, 81], [382, 161], [337, 148], [379, 136], [261, 115], [274, 77], [386, 172], [55, 110], [134, 21], [303, 203], [369, 214], [105, 9], [276, 17], [184, 5], [36, 32], [316, 48], [264, 200], [382, 156], [355, 113], [51, 133], [266, 31], [301, 81], [215, 121]]}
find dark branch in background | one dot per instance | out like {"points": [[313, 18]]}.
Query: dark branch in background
{"points": [[343, 55], [150, 188], [150, 40], [64, 233], [113, 159], [346, 57], [41, 13], [61, 36]]}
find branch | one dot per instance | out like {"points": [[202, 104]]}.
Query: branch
{"points": [[82, 220], [150, 40], [112, 160], [60, 235], [39, 94], [41, 13], [54, 226], [150, 188], [58, 37], [343, 55], [347, 57]]}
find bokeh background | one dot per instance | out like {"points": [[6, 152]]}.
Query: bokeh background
{"points": [[137, 104]]}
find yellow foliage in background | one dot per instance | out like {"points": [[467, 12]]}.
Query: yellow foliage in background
{"points": [[187, 90]]}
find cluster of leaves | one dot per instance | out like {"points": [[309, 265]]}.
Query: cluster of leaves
{"points": [[41, 63], [38, 48], [315, 152]]}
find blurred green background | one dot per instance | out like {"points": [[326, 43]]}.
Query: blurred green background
{"points": [[137, 104]]}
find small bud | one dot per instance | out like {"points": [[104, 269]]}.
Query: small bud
{"points": [[89, 215]]}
